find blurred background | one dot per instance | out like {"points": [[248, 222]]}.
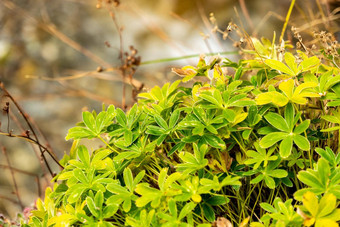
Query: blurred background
{"points": [[59, 58]]}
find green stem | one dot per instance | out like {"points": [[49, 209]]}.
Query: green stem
{"points": [[239, 143], [245, 201], [287, 19], [257, 199], [310, 152], [111, 148]]}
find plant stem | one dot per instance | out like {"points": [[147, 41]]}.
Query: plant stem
{"points": [[111, 148], [287, 19]]}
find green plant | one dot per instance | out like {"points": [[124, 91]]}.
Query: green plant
{"points": [[225, 146]]}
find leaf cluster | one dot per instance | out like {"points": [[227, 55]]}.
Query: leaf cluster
{"points": [[231, 146]]}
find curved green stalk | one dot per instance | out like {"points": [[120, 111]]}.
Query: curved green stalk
{"points": [[287, 19]]}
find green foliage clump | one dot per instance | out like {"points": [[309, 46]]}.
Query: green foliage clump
{"points": [[245, 147]]}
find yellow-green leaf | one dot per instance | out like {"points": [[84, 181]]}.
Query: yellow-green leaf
{"points": [[290, 61], [274, 64], [271, 97], [310, 202], [287, 87], [309, 63]]}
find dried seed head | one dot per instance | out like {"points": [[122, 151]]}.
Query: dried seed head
{"points": [[215, 29], [6, 108], [225, 35], [212, 18], [298, 45]]}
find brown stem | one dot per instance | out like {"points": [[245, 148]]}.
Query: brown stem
{"points": [[121, 55], [24, 172], [36, 139], [31, 140], [13, 178]]}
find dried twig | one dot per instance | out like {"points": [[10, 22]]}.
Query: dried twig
{"points": [[246, 14], [52, 29], [16, 192], [36, 176], [36, 140]]}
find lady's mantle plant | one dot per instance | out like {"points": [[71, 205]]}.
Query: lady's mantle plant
{"points": [[252, 146]]}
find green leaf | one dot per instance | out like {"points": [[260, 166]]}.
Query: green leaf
{"points": [[330, 129], [127, 137], [128, 178], [148, 194], [309, 63], [274, 64], [290, 61], [208, 212], [100, 155], [186, 210], [79, 133], [327, 205], [110, 210], [121, 117], [171, 179], [160, 139], [84, 155], [161, 122], [278, 173], [65, 175], [174, 118], [162, 178], [117, 189], [138, 178], [126, 155], [257, 179], [76, 193], [309, 179], [272, 138], [331, 119], [215, 141], [230, 181], [229, 115], [323, 170], [327, 154], [102, 119], [286, 147], [277, 121], [310, 202], [301, 142], [92, 207], [89, 121], [269, 182], [271, 97], [79, 174], [177, 147], [267, 207], [214, 98], [302, 127], [217, 200], [238, 73], [155, 130], [211, 129], [289, 116], [98, 200]]}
